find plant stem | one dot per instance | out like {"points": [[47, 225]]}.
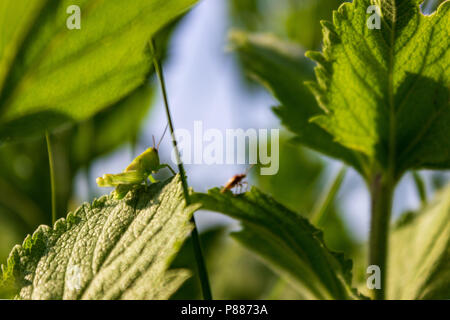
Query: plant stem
{"points": [[421, 190], [51, 163], [201, 265], [321, 212], [382, 195]]}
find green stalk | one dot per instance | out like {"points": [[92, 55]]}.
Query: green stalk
{"points": [[201, 265], [51, 163], [382, 192], [321, 212], [420, 185]]}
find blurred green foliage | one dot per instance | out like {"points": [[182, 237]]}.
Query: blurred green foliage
{"points": [[295, 20]]}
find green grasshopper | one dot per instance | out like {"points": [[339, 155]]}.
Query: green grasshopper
{"points": [[139, 171]]}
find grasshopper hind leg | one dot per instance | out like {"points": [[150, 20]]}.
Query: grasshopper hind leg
{"points": [[121, 191]]}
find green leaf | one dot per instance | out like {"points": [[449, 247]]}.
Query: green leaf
{"points": [[107, 250], [385, 92], [420, 254], [287, 241], [50, 74], [282, 68]]}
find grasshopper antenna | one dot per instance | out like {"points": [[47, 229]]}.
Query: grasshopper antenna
{"points": [[162, 137]]}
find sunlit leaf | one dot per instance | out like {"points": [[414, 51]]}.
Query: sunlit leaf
{"points": [[385, 92], [106, 250]]}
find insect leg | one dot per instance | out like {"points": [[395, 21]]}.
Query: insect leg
{"points": [[166, 166]]}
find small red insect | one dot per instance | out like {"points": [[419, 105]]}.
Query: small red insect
{"points": [[236, 181]]}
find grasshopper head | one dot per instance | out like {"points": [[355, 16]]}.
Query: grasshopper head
{"points": [[150, 159], [147, 161]]}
